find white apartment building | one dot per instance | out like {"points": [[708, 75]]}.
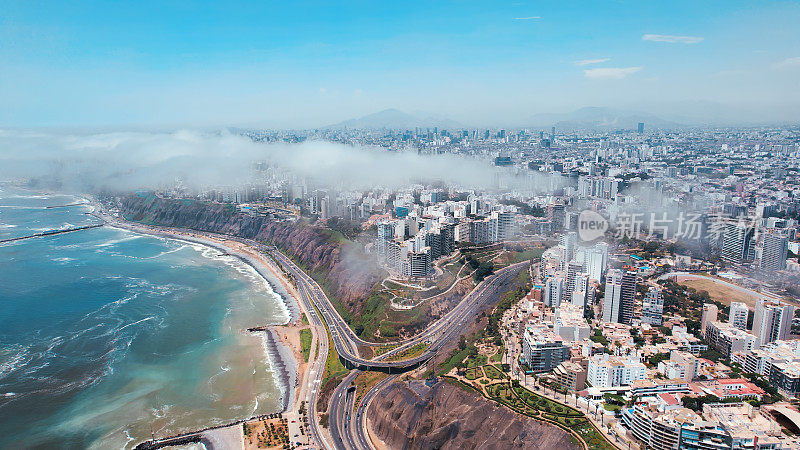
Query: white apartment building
{"points": [[653, 307], [738, 315], [728, 339], [612, 371], [772, 321], [553, 291], [568, 322]]}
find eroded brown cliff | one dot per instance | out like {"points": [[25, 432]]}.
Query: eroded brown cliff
{"points": [[409, 415], [343, 267]]}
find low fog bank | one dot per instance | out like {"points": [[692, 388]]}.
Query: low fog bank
{"points": [[133, 160]]}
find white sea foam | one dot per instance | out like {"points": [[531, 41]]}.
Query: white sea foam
{"points": [[20, 356], [167, 252], [111, 242], [63, 260]]}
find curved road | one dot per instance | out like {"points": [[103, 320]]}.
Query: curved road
{"points": [[348, 431], [437, 334]]}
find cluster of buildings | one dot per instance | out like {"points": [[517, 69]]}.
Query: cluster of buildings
{"points": [[409, 240], [662, 424]]}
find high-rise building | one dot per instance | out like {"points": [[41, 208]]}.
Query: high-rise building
{"points": [[555, 213], [542, 349], [506, 225], [738, 315], [448, 232], [653, 307], [596, 260], [553, 291], [575, 281], [613, 296], [385, 234], [772, 321], [480, 232], [640, 127], [569, 241], [324, 209], [628, 298], [710, 312], [737, 239], [774, 250], [420, 263]]}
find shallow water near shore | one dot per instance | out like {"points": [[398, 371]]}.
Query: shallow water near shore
{"points": [[107, 336]]}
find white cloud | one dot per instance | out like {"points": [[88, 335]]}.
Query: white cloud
{"points": [[528, 18], [788, 62], [672, 39], [611, 73], [132, 160], [586, 62]]}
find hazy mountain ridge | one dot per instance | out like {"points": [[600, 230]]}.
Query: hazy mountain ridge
{"points": [[601, 118], [398, 120]]}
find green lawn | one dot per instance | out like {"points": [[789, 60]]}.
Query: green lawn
{"points": [[476, 361], [474, 373], [493, 372], [305, 343]]}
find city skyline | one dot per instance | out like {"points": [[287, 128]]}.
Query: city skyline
{"points": [[312, 65]]}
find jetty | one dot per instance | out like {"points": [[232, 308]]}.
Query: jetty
{"points": [[52, 232], [67, 205]]}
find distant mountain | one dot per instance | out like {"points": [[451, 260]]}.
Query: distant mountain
{"points": [[600, 118], [396, 120]]}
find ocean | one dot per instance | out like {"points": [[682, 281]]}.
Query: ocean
{"points": [[108, 337]]}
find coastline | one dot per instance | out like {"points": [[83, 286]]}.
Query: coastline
{"points": [[280, 356], [282, 352]]}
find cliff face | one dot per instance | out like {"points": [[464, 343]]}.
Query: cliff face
{"points": [[411, 415], [344, 268]]}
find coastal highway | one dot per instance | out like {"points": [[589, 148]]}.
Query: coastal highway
{"points": [[316, 371], [348, 427], [359, 427], [437, 334], [340, 413]]}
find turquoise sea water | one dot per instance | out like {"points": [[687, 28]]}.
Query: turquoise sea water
{"points": [[107, 335]]}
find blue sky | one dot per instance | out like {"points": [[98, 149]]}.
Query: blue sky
{"points": [[312, 63]]}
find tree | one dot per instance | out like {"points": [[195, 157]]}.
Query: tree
{"points": [[657, 358]]}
